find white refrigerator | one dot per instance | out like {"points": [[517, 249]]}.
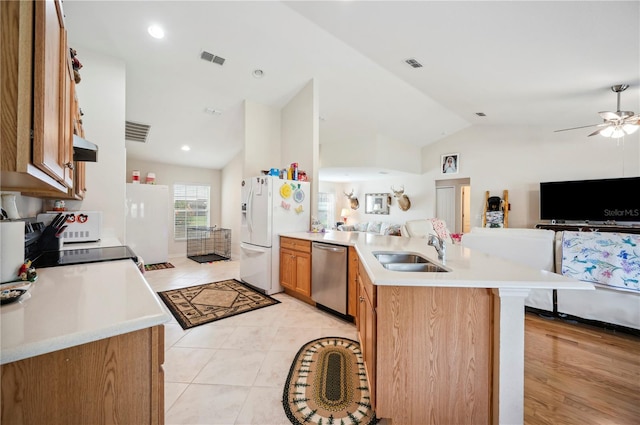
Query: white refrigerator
{"points": [[270, 207], [147, 221]]}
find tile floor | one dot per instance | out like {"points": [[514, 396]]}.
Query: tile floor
{"points": [[233, 371]]}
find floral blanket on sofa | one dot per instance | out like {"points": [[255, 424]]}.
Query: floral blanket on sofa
{"points": [[611, 259]]}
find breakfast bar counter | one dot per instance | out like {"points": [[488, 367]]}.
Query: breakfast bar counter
{"points": [[465, 267], [445, 345]]}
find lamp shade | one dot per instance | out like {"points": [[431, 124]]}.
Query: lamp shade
{"points": [[344, 212]]}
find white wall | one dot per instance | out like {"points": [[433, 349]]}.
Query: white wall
{"points": [[518, 158], [101, 95], [169, 175], [230, 201], [419, 189], [300, 141], [261, 139]]}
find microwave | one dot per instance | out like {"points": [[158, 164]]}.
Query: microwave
{"points": [[82, 226]]}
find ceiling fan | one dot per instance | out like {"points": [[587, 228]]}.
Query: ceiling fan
{"points": [[616, 124]]}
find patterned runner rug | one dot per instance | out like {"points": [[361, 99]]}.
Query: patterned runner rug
{"points": [[158, 266], [327, 384], [200, 304]]}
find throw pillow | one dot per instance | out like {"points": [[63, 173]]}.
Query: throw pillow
{"points": [[393, 230], [374, 227]]}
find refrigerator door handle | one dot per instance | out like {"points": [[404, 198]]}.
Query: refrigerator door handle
{"points": [[250, 210]]}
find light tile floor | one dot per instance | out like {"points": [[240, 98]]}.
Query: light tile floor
{"points": [[233, 371]]}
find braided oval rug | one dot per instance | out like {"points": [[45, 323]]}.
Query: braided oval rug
{"points": [[327, 385]]}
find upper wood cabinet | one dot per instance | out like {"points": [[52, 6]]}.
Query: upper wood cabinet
{"points": [[37, 94]]}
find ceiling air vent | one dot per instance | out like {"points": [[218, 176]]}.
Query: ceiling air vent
{"points": [[481, 114], [210, 57], [414, 63], [136, 132]]}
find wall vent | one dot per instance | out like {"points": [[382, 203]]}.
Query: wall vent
{"points": [[210, 57], [136, 132], [414, 63]]}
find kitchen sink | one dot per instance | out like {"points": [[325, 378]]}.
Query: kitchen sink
{"points": [[407, 262]]}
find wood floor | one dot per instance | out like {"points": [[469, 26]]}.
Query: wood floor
{"points": [[577, 374]]}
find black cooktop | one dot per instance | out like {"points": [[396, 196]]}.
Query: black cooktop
{"points": [[83, 255]]}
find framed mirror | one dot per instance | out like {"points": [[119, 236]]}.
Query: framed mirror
{"points": [[377, 203]]}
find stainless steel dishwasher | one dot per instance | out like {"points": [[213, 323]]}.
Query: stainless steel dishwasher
{"points": [[329, 276]]}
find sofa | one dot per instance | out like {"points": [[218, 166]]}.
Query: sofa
{"points": [[373, 227], [616, 299]]}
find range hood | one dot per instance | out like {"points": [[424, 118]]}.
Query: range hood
{"points": [[84, 150]]}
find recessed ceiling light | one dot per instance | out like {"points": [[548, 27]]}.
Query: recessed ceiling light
{"points": [[257, 73], [156, 31], [185, 148]]}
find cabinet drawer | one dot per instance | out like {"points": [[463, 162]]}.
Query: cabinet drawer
{"points": [[369, 287], [295, 244]]}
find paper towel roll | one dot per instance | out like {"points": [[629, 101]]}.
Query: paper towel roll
{"points": [[11, 249]]}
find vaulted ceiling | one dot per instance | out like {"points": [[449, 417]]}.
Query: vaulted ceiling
{"points": [[533, 63]]}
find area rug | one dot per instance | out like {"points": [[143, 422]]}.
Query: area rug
{"points": [[200, 304], [327, 384], [158, 266]]}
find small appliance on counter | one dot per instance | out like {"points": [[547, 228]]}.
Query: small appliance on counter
{"points": [[82, 226]]}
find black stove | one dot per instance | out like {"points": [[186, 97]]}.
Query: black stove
{"points": [[83, 255]]}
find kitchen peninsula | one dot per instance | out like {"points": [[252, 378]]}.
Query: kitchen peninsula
{"points": [[447, 346], [85, 345]]}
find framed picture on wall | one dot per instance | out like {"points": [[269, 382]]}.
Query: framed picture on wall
{"points": [[449, 163]]}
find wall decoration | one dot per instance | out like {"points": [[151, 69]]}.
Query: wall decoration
{"points": [[449, 163], [353, 200], [404, 203], [377, 203]]}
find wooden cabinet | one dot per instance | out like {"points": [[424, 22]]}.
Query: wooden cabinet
{"points": [[427, 351], [37, 98], [113, 380], [352, 284], [367, 325], [295, 265]]}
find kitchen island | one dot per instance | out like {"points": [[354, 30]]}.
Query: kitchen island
{"points": [[84, 345], [443, 347]]}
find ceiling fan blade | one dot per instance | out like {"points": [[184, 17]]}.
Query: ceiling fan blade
{"points": [[608, 115], [576, 128], [597, 131], [633, 119]]}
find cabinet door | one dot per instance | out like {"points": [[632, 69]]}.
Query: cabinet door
{"points": [[303, 273], [287, 269], [370, 361], [352, 284], [367, 336], [52, 139]]}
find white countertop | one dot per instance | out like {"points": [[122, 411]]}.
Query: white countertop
{"points": [[72, 305], [468, 268]]}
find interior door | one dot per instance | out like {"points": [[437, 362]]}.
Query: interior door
{"points": [[446, 206]]}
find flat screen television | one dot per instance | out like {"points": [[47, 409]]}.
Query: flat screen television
{"points": [[591, 200]]}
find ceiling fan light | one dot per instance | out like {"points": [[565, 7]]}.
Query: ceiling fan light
{"points": [[617, 133], [607, 132], [630, 128]]}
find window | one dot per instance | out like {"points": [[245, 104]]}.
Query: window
{"points": [[327, 209], [190, 208]]}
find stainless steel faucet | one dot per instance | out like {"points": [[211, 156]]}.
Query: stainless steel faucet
{"points": [[438, 244]]}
